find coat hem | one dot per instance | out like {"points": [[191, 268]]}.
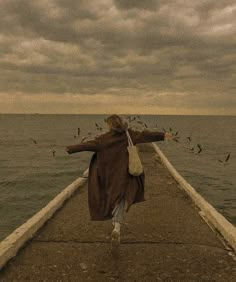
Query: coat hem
{"points": [[100, 218], [97, 218]]}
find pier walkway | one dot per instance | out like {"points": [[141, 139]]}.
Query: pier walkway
{"points": [[162, 239]]}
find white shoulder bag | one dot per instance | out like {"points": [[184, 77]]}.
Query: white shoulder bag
{"points": [[135, 165]]}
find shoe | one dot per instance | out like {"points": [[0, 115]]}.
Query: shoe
{"points": [[115, 239]]}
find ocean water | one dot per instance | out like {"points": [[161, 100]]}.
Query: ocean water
{"points": [[30, 176]]}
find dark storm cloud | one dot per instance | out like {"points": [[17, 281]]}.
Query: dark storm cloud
{"points": [[91, 47]]}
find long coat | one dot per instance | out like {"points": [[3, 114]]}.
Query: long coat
{"points": [[109, 180]]}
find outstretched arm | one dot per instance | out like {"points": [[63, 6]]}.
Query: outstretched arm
{"points": [[148, 136], [91, 145]]}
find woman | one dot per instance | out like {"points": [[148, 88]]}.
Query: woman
{"points": [[111, 189]]}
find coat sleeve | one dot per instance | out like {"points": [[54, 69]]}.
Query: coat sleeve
{"points": [[146, 136], [92, 145]]}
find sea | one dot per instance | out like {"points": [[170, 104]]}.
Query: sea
{"points": [[34, 166]]}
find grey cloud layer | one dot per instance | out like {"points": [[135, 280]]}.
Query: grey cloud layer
{"points": [[90, 47]]}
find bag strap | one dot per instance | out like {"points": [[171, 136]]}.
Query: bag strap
{"points": [[129, 138]]}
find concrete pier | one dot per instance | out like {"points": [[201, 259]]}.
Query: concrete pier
{"points": [[162, 239]]}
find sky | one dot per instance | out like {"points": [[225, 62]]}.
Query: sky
{"points": [[118, 56]]}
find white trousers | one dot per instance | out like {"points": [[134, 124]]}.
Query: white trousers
{"points": [[118, 212]]}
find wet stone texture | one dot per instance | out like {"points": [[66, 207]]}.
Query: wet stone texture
{"points": [[162, 239]]}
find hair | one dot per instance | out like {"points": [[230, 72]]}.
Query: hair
{"points": [[116, 123]]}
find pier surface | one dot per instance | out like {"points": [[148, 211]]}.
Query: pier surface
{"points": [[162, 239]]}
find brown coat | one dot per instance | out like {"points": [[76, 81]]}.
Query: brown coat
{"points": [[109, 180]]}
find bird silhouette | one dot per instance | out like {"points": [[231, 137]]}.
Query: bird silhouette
{"points": [[200, 148], [226, 159], [176, 139], [35, 142]]}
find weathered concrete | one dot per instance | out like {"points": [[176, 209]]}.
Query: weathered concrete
{"points": [[163, 239], [10, 246], [216, 220]]}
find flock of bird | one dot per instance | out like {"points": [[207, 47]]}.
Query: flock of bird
{"points": [[136, 123], [175, 137]]}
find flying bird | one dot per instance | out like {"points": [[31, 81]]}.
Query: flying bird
{"points": [[35, 142], [200, 148], [53, 153], [226, 159], [175, 139]]}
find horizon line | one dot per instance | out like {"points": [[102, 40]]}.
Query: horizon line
{"points": [[117, 114]]}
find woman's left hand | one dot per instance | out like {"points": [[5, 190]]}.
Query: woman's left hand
{"points": [[168, 136]]}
